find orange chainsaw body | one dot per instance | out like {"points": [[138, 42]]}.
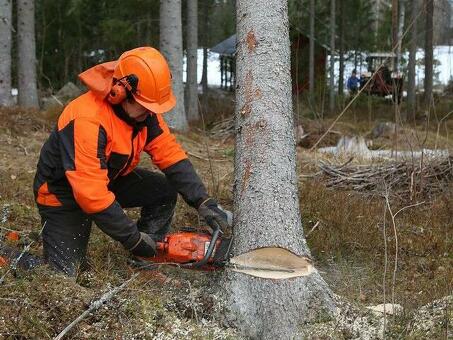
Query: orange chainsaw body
{"points": [[183, 247]]}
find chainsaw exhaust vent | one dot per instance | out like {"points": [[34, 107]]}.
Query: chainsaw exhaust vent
{"points": [[271, 263]]}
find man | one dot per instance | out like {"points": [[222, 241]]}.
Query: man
{"points": [[87, 170], [353, 83]]}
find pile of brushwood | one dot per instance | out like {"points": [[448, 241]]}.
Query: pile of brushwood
{"points": [[405, 180]]}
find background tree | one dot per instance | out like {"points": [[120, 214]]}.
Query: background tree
{"points": [[192, 57], [311, 58], [341, 47], [205, 39], [266, 202], [429, 8], [5, 51], [411, 89], [395, 25], [401, 17], [332, 57], [26, 54], [171, 48]]}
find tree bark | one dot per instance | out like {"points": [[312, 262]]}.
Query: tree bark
{"points": [[204, 74], [429, 7], [332, 57], [266, 203], [394, 30], [341, 49], [411, 89], [192, 57], [402, 13], [6, 27], [311, 58], [26, 54], [171, 48]]}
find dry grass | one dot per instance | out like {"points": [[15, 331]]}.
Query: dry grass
{"points": [[348, 246]]}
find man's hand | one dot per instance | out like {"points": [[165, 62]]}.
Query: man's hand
{"points": [[145, 247], [214, 215]]}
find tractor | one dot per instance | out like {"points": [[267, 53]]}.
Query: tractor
{"points": [[384, 79]]}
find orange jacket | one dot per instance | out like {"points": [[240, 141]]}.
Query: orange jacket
{"points": [[93, 145]]}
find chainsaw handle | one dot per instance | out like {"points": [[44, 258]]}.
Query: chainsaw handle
{"points": [[207, 256]]}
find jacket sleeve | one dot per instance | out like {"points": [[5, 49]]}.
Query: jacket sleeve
{"points": [[169, 156], [183, 177], [82, 147]]}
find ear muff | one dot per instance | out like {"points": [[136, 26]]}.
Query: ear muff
{"points": [[121, 88]]}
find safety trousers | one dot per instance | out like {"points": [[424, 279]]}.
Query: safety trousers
{"points": [[66, 229]]}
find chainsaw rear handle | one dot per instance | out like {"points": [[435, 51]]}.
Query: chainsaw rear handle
{"points": [[215, 235]]}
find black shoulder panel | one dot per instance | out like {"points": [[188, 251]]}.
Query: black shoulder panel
{"points": [[67, 149], [153, 127], [102, 143]]}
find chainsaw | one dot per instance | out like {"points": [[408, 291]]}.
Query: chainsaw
{"points": [[191, 249], [187, 248]]}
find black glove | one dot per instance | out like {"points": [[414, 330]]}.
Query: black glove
{"points": [[145, 247], [213, 215]]}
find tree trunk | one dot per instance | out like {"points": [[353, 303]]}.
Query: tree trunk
{"points": [[342, 29], [266, 203], [311, 58], [429, 5], [26, 54], [6, 27], [402, 13], [171, 48], [204, 74], [332, 57], [411, 89], [192, 57], [394, 29]]}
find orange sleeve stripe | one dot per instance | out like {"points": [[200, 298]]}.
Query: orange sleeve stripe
{"points": [[45, 197]]}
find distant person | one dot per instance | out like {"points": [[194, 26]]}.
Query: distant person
{"points": [[353, 83]]}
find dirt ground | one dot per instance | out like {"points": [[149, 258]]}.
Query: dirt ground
{"points": [[347, 244]]}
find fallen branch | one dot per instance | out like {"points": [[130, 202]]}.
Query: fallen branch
{"points": [[311, 230], [406, 179], [95, 305]]}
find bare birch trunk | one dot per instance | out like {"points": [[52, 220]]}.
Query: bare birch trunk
{"points": [[311, 58], [171, 48], [192, 57], [402, 13], [429, 6], [6, 28], [394, 29], [266, 200], [411, 89], [26, 54], [332, 57]]}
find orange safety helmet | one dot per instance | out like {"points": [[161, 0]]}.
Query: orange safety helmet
{"points": [[145, 73]]}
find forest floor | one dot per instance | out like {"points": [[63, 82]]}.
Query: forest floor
{"points": [[347, 244]]}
